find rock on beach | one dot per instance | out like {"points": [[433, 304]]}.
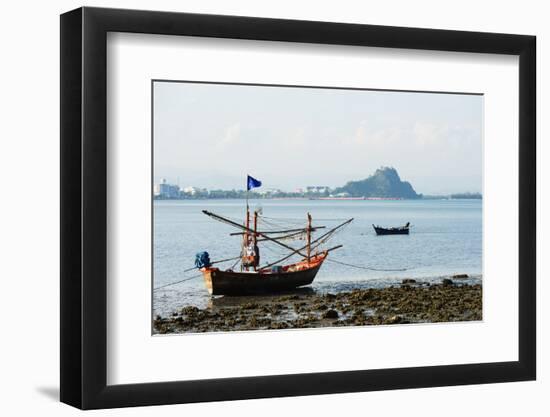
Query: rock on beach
{"points": [[399, 305]]}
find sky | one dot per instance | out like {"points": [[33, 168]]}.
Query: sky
{"points": [[213, 135]]}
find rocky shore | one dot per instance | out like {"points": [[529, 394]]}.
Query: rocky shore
{"points": [[411, 302]]}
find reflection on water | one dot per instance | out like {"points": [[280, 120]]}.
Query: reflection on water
{"points": [[225, 301]]}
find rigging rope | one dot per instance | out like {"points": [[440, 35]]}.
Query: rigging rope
{"points": [[283, 219], [177, 282], [297, 220], [235, 264], [276, 250], [314, 243], [215, 262], [247, 229], [196, 276], [328, 260], [366, 267]]}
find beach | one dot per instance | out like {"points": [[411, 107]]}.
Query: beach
{"points": [[411, 301]]}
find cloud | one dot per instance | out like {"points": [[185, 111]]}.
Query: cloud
{"points": [[387, 137], [360, 136], [365, 137], [296, 139], [443, 136], [231, 136], [429, 134]]}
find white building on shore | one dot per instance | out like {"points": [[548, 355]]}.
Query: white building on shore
{"points": [[165, 190]]}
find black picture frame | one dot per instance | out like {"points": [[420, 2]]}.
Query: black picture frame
{"points": [[84, 207]]}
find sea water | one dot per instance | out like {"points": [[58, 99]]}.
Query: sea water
{"points": [[445, 239]]}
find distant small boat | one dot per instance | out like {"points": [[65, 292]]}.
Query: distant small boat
{"points": [[402, 230]]}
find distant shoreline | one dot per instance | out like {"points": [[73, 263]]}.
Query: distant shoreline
{"points": [[384, 184], [319, 198]]}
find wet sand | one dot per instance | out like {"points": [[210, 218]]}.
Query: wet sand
{"points": [[413, 301]]}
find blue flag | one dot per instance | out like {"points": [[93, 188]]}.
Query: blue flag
{"points": [[252, 183]]}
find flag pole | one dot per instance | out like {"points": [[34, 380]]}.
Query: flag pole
{"points": [[247, 223]]}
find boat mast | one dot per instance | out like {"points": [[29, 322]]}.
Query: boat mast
{"points": [[247, 224], [255, 236], [247, 221], [308, 237]]}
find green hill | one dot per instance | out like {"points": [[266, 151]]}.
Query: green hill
{"points": [[384, 183]]}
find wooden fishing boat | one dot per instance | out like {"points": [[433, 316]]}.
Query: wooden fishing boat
{"points": [[402, 230], [267, 280], [274, 276]]}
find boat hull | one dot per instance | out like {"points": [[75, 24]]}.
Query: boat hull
{"points": [[244, 283], [394, 231]]}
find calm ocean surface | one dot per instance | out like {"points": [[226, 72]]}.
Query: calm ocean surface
{"points": [[446, 239]]}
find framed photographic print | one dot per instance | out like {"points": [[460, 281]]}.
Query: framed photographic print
{"points": [[258, 207]]}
